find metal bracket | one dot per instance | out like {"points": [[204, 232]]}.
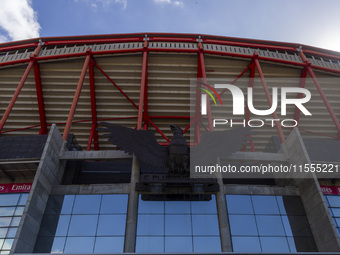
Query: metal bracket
{"points": [[199, 39], [146, 38]]}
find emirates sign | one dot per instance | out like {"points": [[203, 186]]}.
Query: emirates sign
{"points": [[15, 188]]}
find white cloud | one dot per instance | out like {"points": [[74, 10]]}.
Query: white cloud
{"points": [[18, 19], [171, 2], [104, 3]]}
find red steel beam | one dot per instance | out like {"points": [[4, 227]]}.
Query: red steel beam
{"points": [[40, 99], [269, 99], [303, 77], [76, 96], [159, 131], [202, 74], [142, 86], [18, 90], [146, 101], [121, 91], [322, 94], [94, 132]]}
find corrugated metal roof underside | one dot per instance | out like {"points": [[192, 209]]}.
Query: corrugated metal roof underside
{"points": [[169, 77]]}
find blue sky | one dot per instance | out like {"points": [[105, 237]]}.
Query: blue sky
{"points": [[311, 22]]}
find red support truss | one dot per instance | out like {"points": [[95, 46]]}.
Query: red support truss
{"points": [[18, 90], [76, 96], [40, 99], [143, 84]]}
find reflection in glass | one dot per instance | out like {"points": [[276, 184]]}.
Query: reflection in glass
{"points": [[9, 199], [19, 211], [79, 245], [181, 244], [177, 225], [83, 225], [239, 204], [270, 225], [67, 204], [149, 244], [5, 221], [15, 221], [204, 225], [23, 199], [246, 244], [87, 204], [114, 204], [274, 244], [204, 207], [3, 232], [58, 245], [7, 244], [208, 244], [286, 226], [7, 211], [111, 225], [177, 207], [150, 225], [291, 244], [63, 224], [265, 205], [150, 206], [243, 225], [109, 245], [334, 201], [11, 232], [336, 212]]}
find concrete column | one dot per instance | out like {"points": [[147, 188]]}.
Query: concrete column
{"points": [[132, 215], [49, 173], [319, 217], [222, 214]]}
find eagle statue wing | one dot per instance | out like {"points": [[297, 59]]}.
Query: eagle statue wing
{"points": [[142, 143], [219, 144]]}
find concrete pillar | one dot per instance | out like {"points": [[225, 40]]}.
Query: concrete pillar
{"points": [[49, 173], [222, 214], [319, 217], [132, 215]]}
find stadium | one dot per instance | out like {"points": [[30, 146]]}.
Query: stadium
{"points": [[66, 189]]}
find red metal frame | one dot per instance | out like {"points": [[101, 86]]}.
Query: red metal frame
{"points": [[322, 94], [303, 77], [18, 90], [94, 132], [143, 115], [77, 95], [269, 99], [40, 99], [143, 84]]}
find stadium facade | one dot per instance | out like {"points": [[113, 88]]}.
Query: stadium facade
{"points": [[66, 189]]}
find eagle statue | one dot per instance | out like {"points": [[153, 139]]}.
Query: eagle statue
{"points": [[177, 155]]}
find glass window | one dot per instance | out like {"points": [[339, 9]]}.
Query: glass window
{"points": [[275, 225], [9, 199], [86, 204], [274, 244], [182, 244], [270, 225], [177, 226], [79, 245], [150, 244], [90, 223], [111, 225], [265, 205], [177, 207], [205, 225], [243, 225], [150, 225], [11, 209], [246, 244], [109, 245], [334, 201], [207, 244], [114, 204], [239, 204]]}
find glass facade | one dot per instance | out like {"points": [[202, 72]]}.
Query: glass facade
{"points": [[178, 226], [89, 224], [333, 202], [268, 224], [11, 209]]}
